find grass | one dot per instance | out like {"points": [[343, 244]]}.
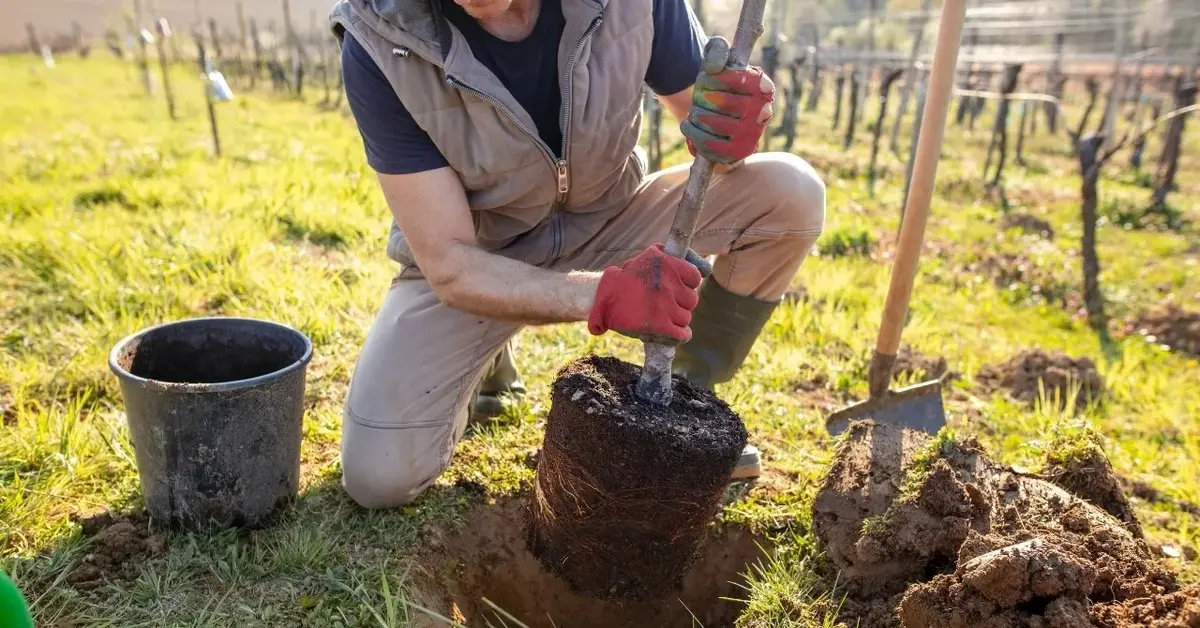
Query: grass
{"points": [[113, 218]]}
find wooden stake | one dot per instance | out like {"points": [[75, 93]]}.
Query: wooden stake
{"points": [[135, 27], [852, 119], [1000, 130], [34, 46], [202, 54], [242, 40], [884, 88], [216, 40], [161, 44], [256, 69], [839, 85], [910, 77], [814, 79]]}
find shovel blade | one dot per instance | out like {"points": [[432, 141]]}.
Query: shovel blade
{"points": [[916, 407]]}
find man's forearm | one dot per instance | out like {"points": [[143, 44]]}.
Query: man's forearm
{"points": [[478, 282]]}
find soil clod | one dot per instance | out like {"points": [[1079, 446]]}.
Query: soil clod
{"points": [[1029, 373], [1084, 470], [118, 546], [917, 366], [625, 489], [1028, 223], [945, 537], [1171, 325]]}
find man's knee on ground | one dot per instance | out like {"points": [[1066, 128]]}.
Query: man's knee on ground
{"points": [[794, 190], [380, 486]]}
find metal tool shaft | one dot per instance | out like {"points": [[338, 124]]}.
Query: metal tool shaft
{"points": [[655, 383]]}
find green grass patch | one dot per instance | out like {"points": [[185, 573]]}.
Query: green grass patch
{"points": [[114, 218]]}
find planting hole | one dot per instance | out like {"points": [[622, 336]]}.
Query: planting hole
{"points": [[487, 558]]}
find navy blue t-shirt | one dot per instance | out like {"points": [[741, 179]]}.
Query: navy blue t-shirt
{"points": [[395, 144]]}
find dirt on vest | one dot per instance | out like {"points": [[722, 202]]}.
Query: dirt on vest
{"points": [[931, 533]]}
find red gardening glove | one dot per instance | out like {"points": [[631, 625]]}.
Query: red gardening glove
{"points": [[730, 109], [650, 297]]}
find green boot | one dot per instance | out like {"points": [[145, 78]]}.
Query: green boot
{"points": [[501, 379], [724, 328]]}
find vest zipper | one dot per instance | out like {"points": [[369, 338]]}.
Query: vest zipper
{"points": [[562, 176]]}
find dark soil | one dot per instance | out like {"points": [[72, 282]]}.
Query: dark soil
{"points": [[487, 558], [119, 544], [1089, 474], [917, 366], [947, 538], [1171, 325], [1054, 372], [1028, 223], [1174, 610], [625, 489], [1142, 490], [1021, 275]]}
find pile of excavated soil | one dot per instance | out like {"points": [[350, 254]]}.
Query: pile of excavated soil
{"points": [[1173, 326], [625, 489], [118, 547], [1026, 374], [1013, 270], [916, 365], [931, 533], [1028, 223]]}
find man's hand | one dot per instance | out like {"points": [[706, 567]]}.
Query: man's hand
{"points": [[730, 110], [650, 297]]}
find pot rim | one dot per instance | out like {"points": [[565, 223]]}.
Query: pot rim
{"points": [[180, 387]]}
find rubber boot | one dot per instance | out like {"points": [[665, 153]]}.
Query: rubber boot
{"points": [[724, 328], [501, 379]]}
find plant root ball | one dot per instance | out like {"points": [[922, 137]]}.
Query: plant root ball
{"points": [[625, 489]]}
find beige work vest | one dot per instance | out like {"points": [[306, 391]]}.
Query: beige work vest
{"points": [[525, 202]]}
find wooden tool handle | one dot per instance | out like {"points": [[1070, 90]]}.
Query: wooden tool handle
{"points": [[655, 383], [916, 211]]}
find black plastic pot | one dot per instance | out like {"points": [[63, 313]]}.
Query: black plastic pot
{"points": [[215, 407]]}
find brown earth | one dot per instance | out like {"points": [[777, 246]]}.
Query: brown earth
{"points": [[1171, 325], [119, 544], [1027, 373], [1089, 474], [917, 366], [625, 488], [932, 533], [1010, 271], [1028, 223], [486, 558]]}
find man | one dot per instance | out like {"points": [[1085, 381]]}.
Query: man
{"points": [[504, 136]]}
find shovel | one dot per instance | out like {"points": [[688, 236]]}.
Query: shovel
{"points": [[919, 406], [654, 386]]}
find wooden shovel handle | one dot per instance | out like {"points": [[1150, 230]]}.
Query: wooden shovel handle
{"points": [[929, 148], [655, 383]]}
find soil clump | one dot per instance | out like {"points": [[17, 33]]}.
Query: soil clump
{"points": [[1171, 325], [1026, 374], [934, 531], [1028, 223], [625, 489], [119, 544], [1021, 274], [1085, 471], [917, 366]]}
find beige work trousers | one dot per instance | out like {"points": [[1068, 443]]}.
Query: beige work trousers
{"points": [[407, 406]]}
